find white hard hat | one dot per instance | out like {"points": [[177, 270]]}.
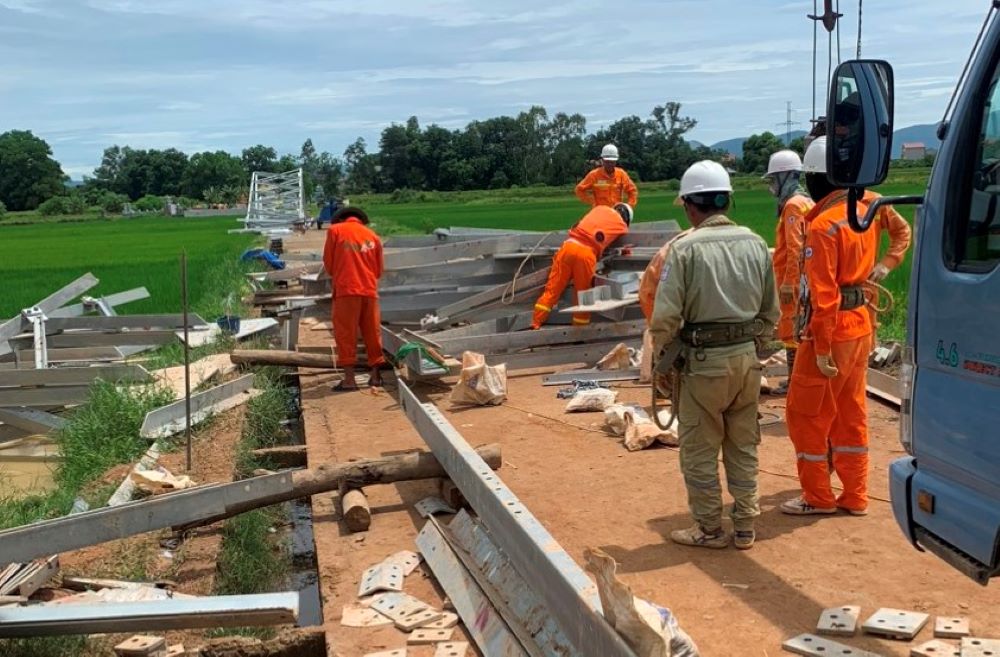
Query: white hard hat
{"points": [[783, 161], [815, 159], [610, 153], [626, 211], [702, 178]]}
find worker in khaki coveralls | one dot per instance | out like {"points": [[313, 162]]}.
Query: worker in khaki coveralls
{"points": [[717, 296]]}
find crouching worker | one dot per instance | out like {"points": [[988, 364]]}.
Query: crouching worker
{"points": [[352, 257], [576, 260], [716, 296]]}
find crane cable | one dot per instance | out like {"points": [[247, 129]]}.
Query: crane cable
{"points": [[860, 3], [815, 42]]}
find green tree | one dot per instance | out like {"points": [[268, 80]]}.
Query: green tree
{"points": [[329, 175], [757, 150], [260, 158], [213, 170], [361, 171], [28, 173], [798, 145], [3, 210], [309, 161]]}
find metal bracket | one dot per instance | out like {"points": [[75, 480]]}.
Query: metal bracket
{"points": [[430, 506], [811, 645], [37, 318], [382, 577], [407, 612]]}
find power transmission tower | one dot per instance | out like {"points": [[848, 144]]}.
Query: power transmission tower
{"points": [[788, 123]]}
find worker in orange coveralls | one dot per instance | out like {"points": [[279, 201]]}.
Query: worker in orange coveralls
{"points": [[352, 257], [887, 220], [783, 171], [608, 184], [577, 258], [826, 401]]}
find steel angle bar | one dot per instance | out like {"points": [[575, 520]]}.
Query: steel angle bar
{"points": [[563, 587], [503, 342], [483, 622], [172, 614], [600, 376], [112, 300], [493, 294], [59, 298], [558, 356], [77, 339], [423, 241], [168, 420], [31, 420], [438, 254], [884, 386], [52, 396], [83, 355], [450, 272], [415, 363], [428, 302], [118, 323], [79, 530], [62, 376]]}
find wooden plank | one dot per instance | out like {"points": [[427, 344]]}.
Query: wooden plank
{"points": [[75, 376], [884, 386]]}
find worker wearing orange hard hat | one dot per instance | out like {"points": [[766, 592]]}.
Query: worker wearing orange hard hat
{"points": [[826, 400], [576, 260], [352, 256], [608, 184], [784, 169]]}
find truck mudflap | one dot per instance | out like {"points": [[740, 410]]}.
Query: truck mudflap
{"points": [[901, 473]]}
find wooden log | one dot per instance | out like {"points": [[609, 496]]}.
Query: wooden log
{"points": [[357, 513], [451, 494], [286, 456], [357, 474], [275, 357]]}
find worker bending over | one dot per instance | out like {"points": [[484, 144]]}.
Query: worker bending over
{"points": [[352, 257], [576, 260], [783, 173], [607, 184], [826, 401], [716, 295]]}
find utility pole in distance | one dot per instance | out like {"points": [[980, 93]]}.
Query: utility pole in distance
{"points": [[788, 123]]}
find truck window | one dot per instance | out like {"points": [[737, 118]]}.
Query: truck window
{"points": [[978, 244]]}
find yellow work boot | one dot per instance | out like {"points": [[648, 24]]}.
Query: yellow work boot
{"points": [[698, 537]]}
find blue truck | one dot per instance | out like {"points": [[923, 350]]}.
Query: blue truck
{"points": [[946, 491]]}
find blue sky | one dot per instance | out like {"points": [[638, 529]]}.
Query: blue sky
{"points": [[225, 74]]}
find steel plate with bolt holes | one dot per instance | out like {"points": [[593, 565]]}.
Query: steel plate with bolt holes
{"points": [[388, 653], [447, 620], [935, 648], [951, 627], [405, 559], [975, 647], [407, 612], [895, 623], [353, 616], [811, 645], [452, 649], [431, 506], [424, 636], [839, 621], [381, 578]]}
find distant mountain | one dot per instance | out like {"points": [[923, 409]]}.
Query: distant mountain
{"points": [[926, 134], [735, 146], [915, 133]]}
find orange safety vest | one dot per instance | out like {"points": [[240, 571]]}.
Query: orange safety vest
{"points": [[352, 256]]}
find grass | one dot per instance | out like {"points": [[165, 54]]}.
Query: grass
{"points": [[49, 646], [100, 434], [123, 254]]}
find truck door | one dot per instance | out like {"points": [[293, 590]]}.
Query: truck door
{"points": [[955, 328]]}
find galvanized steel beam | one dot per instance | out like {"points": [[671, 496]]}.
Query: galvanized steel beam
{"points": [[96, 339], [31, 420], [571, 597], [112, 300], [503, 342], [558, 356], [51, 396], [62, 376], [436, 254], [59, 298], [170, 419], [600, 376]]}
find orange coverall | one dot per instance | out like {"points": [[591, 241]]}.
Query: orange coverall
{"points": [[789, 237], [889, 221], [352, 257], [651, 276], [598, 188], [822, 409], [576, 260]]}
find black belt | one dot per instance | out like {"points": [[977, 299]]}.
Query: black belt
{"points": [[852, 296], [721, 334]]}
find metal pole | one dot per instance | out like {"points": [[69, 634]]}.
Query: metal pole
{"points": [[187, 359]]}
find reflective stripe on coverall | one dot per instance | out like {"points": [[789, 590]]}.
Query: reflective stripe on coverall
{"points": [[822, 409], [788, 240], [352, 256], [599, 188], [576, 260], [720, 272]]}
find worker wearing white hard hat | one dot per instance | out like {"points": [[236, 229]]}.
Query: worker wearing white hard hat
{"points": [[715, 302], [608, 184], [784, 170]]}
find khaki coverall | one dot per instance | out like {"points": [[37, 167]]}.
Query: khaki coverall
{"points": [[720, 273]]}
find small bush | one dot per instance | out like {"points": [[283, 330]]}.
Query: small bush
{"points": [[54, 206], [3, 210], [113, 203], [404, 195], [76, 203], [149, 203]]}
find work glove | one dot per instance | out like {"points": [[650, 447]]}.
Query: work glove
{"points": [[786, 294], [879, 273], [826, 366]]}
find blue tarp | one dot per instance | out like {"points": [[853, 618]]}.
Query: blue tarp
{"points": [[263, 254]]}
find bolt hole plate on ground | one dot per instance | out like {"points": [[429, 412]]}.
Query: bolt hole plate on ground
{"points": [[811, 645], [407, 612], [401, 652], [951, 627], [424, 636], [452, 649], [976, 647], [431, 506], [839, 621], [935, 648], [382, 577], [405, 559], [895, 623]]}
